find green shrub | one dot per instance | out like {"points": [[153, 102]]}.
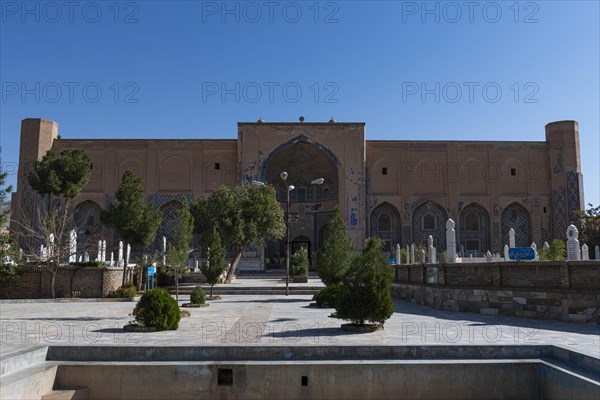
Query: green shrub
{"points": [[366, 288], [10, 273], [403, 256], [334, 257], [198, 296], [555, 252], [158, 309], [299, 263], [329, 295], [127, 291], [444, 257]]}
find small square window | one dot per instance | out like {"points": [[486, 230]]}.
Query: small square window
{"points": [[544, 210], [384, 171], [513, 172], [304, 381], [217, 165], [225, 377]]}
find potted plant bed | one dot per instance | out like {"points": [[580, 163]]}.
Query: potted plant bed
{"points": [[192, 305], [361, 328], [133, 327], [300, 279]]}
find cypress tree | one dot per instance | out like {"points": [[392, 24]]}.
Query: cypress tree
{"points": [[334, 258], [215, 265], [128, 214]]}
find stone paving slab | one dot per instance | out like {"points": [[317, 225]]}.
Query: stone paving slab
{"points": [[278, 320]]}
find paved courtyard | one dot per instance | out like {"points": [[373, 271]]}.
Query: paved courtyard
{"points": [[276, 320]]}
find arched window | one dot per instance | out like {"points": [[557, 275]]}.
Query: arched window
{"points": [[517, 217], [384, 222], [474, 231], [88, 226], [472, 222], [169, 221], [429, 219], [428, 222]]}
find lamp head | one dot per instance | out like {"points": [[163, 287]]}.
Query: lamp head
{"points": [[291, 187], [318, 181], [284, 175]]}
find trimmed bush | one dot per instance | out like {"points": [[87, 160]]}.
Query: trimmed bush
{"points": [[198, 296], [127, 291], [328, 296], [366, 288], [158, 309]]}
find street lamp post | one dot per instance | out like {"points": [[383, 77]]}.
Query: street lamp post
{"points": [[288, 189], [284, 176]]}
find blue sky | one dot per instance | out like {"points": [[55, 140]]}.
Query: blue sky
{"points": [[183, 69]]}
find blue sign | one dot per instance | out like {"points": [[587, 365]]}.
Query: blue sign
{"points": [[151, 270], [521, 253], [393, 261]]}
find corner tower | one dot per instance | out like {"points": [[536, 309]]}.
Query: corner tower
{"points": [[37, 137], [562, 138]]}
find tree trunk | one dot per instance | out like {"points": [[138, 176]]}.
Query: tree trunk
{"points": [[52, 291], [233, 266], [140, 270], [71, 281], [124, 273], [176, 286], [211, 288]]}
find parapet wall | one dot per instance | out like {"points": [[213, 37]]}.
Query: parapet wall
{"points": [[87, 282], [558, 290]]}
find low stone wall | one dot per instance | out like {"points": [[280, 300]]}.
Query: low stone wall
{"points": [[565, 291], [87, 282]]}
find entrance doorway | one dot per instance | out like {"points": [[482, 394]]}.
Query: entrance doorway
{"points": [[302, 242]]}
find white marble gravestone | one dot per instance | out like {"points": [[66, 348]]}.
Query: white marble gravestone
{"points": [[597, 253], [585, 252], [73, 246], [450, 241], [120, 262], [573, 250], [506, 257], [488, 256], [511, 238], [534, 247], [430, 249]]}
